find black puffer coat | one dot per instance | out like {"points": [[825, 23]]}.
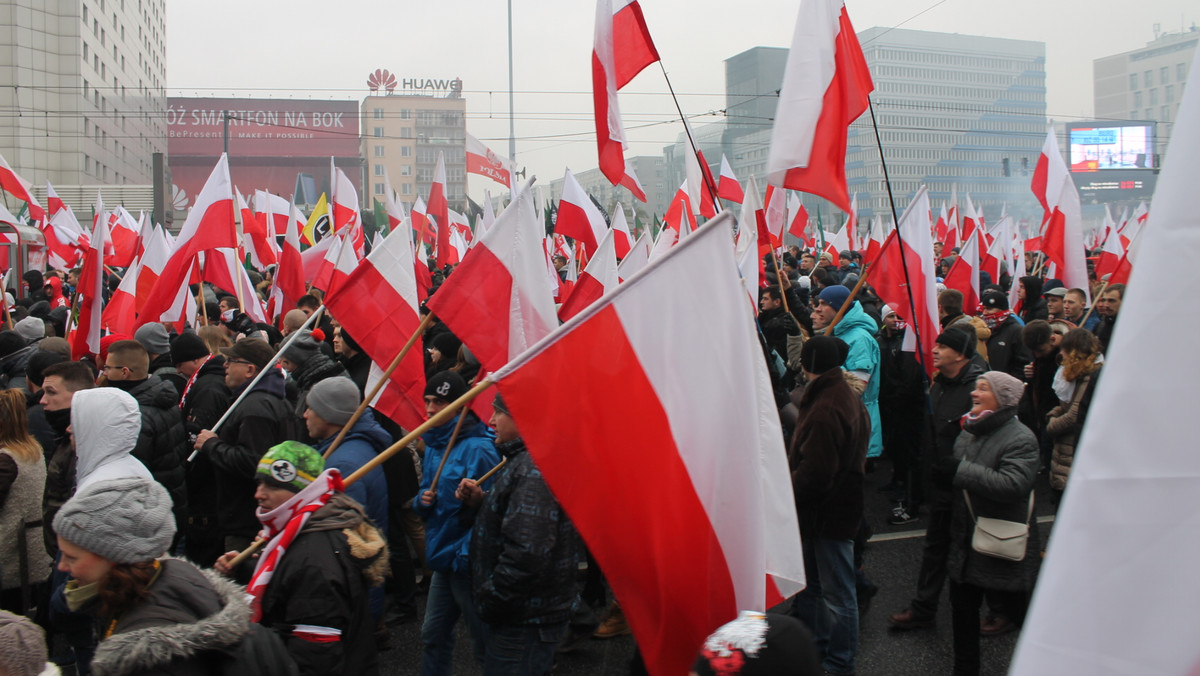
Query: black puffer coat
{"points": [[950, 399], [162, 445]]}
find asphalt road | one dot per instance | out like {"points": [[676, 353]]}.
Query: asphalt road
{"points": [[892, 561]]}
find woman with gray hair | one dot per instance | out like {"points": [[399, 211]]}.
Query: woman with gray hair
{"points": [[993, 468]]}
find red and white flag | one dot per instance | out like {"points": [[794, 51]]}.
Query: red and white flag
{"points": [[679, 210], [289, 283], [18, 187], [850, 227], [120, 314], [826, 85], [876, 238], [279, 212], [747, 248], [775, 211], [344, 214], [439, 211], [1111, 254], [392, 206], [911, 247], [622, 48], [971, 219], [964, 274], [729, 188], [209, 225], [1062, 236], [155, 255], [255, 238], [637, 258], [497, 301], [377, 305], [123, 232], [597, 279], [797, 218], [622, 239], [578, 218], [85, 336], [700, 183], [630, 181], [999, 251], [458, 246], [667, 238], [1134, 512], [940, 228], [740, 513], [484, 161]]}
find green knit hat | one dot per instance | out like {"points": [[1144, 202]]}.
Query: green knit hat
{"points": [[291, 465]]}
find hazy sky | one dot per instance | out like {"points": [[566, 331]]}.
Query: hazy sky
{"points": [[323, 50]]}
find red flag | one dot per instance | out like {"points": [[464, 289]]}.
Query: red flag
{"points": [[597, 279], [497, 300], [439, 210], [775, 210], [18, 187], [1111, 254], [85, 337], [622, 239], [120, 314], [621, 49], [209, 225], [826, 85], [377, 306], [1062, 237], [964, 274], [255, 239], [797, 217], [289, 283], [738, 517], [729, 188], [123, 234], [679, 209], [876, 239], [630, 181], [578, 218], [914, 250]]}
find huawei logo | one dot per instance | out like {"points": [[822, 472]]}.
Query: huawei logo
{"points": [[381, 78]]}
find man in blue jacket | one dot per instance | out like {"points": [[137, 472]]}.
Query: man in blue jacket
{"points": [[447, 525], [858, 331]]}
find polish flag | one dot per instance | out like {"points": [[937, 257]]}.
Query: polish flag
{"points": [[747, 249], [459, 224], [552, 280], [1014, 294], [65, 239], [1000, 250], [483, 161], [630, 182], [964, 274], [797, 218], [940, 228], [578, 218], [876, 238], [377, 305], [910, 245], [124, 232], [775, 211], [439, 211], [1062, 236], [739, 516], [489, 214], [154, 258], [313, 258], [825, 87], [392, 206], [971, 219], [289, 284], [1110, 255], [344, 210], [423, 274], [18, 187], [621, 49], [85, 335], [850, 227], [224, 268], [679, 209], [729, 188], [120, 314], [209, 225], [667, 239], [1134, 511], [637, 258], [255, 240], [699, 180], [338, 262], [597, 279], [458, 246], [497, 301], [278, 212], [622, 240], [426, 231]]}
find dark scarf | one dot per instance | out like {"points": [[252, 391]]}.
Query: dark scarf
{"points": [[988, 421]]}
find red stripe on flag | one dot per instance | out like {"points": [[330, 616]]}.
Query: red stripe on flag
{"points": [[475, 303]]}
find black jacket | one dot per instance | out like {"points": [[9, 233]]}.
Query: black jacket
{"points": [[777, 325], [317, 368], [262, 420], [162, 444], [207, 398], [358, 368], [950, 399], [323, 580], [525, 551], [1006, 351]]}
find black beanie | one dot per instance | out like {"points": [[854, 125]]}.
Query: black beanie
{"points": [[186, 347], [10, 342], [958, 340], [446, 385], [823, 353], [499, 406]]}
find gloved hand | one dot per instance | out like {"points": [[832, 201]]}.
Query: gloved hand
{"points": [[943, 472]]}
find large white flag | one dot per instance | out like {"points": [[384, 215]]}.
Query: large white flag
{"points": [[1118, 591]]}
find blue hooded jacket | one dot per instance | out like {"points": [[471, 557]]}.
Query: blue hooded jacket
{"points": [[858, 330], [363, 442], [447, 524]]}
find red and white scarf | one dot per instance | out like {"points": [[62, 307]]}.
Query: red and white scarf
{"points": [[192, 381], [280, 527]]}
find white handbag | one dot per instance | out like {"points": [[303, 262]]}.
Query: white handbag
{"points": [[999, 538]]}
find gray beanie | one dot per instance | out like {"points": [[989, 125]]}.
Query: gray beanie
{"points": [[334, 399], [1007, 389], [302, 348], [31, 329], [124, 520], [22, 646], [154, 338]]}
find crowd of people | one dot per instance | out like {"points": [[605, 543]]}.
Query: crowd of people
{"points": [[131, 483]]}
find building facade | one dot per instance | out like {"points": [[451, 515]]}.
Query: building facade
{"points": [[402, 134], [1146, 84], [650, 170], [85, 97], [752, 82]]}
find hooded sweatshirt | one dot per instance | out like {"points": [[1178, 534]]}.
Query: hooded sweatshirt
{"points": [[106, 423]]}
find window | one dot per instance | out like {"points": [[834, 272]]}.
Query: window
{"points": [[378, 131], [378, 113], [1153, 97], [406, 189], [85, 52], [406, 170], [406, 132], [1180, 71], [1170, 93], [1163, 75], [405, 151], [406, 114], [1165, 115], [379, 188], [1148, 78], [1137, 99], [379, 169], [378, 151], [1132, 81], [1149, 114]]}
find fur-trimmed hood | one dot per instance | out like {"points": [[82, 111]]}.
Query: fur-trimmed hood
{"points": [[158, 631]]}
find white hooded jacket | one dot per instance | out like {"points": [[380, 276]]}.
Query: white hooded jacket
{"points": [[105, 422]]}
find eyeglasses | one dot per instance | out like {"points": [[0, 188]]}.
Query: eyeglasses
{"points": [[239, 361], [106, 367]]}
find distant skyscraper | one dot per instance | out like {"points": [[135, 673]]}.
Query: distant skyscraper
{"points": [[1146, 84], [84, 100]]}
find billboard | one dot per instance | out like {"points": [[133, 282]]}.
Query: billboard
{"points": [[271, 141], [1109, 146]]}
